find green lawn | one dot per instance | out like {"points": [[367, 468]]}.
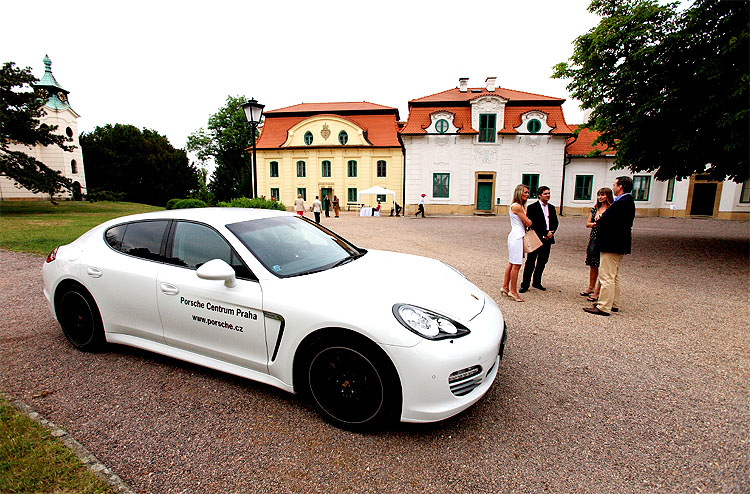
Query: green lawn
{"points": [[31, 460], [38, 227]]}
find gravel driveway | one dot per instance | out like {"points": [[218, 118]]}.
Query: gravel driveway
{"points": [[653, 399]]}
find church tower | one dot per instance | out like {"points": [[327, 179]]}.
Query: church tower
{"points": [[57, 111]]}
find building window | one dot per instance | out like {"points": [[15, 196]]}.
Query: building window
{"points": [[301, 191], [670, 190], [274, 168], [381, 168], [531, 180], [275, 193], [300, 168], [441, 184], [487, 127], [73, 167], [583, 187], [325, 168], [69, 132], [745, 194], [351, 194], [641, 186], [351, 168], [308, 138], [534, 126], [441, 126], [380, 197], [343, 138]]}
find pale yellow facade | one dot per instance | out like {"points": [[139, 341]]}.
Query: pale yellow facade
{"points": [[325, 147]]}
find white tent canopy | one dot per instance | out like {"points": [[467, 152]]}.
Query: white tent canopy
{"points": [[377, 190]]}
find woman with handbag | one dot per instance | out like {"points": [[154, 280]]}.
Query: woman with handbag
{"points": [[518, 223], [604, 199]]}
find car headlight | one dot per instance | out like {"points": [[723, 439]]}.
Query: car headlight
{"points": [[428, 324]]}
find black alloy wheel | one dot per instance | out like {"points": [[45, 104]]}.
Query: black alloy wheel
{"points": [[80, 320], [351, 386]]}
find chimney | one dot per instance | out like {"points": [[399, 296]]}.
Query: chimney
{"points": [[463, 82], [491, 82]]}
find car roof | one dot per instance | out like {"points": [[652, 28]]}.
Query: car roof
{"points": [[212, 216]]}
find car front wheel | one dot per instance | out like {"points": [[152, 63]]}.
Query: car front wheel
{"points": [[353, 385]]}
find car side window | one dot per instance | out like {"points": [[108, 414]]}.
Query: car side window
{"points": [[194, 244], [140, 239]]}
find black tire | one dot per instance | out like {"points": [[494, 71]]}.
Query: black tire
{"points": [[353, 384], [80, 319]]}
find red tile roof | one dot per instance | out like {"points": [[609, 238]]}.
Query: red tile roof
{"points": [[379, 122], [455, 95], [583, 145], [358, 106], [459, 103], [419, 119], [555, 118]]}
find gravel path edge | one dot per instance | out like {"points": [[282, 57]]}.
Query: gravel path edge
{"points": [[92, 462]]}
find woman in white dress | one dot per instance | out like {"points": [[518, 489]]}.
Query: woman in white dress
{"points": [[518, 223]]}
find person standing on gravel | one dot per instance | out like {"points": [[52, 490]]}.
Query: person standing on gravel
{"points": [[316, 208], [420, 206], [615, 227], [544, 222]]}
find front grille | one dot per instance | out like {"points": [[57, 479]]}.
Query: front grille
{"points": [[464, 381]]}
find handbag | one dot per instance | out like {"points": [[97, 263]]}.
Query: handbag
{"points": [[531, 241]]}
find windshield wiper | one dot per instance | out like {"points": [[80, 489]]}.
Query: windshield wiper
{"points": [[349, 259]]}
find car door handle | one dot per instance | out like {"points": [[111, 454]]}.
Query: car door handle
{"points": [[169, 289], [94, 272]]}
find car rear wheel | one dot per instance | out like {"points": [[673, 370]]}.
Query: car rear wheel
{"points": [[80, 320], [353, 385]]}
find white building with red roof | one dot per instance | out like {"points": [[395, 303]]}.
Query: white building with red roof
{"points": [[587, 171], [467, 148], [334, 149]]}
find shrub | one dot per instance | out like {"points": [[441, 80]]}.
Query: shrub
{"points": [[189, 203], [257, 203], [172, 202]]}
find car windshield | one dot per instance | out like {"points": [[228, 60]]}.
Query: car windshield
{"points": [[292, 246]]}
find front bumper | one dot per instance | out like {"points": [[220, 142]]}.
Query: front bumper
{"points": [[426, 369]]}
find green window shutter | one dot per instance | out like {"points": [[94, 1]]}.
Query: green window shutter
{"points": [[343, 138], [325, 168], [381, 168], [351, 194], [531, 180], [440, 184], [487, 127], [583, 187], [641, 187], [308, 138], [274, 168], [441, 126], [351, 168], [300, 169]]}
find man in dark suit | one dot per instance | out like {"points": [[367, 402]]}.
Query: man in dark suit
{"points": [[614, 239], [544, 222]]}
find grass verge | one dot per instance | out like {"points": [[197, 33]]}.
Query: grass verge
{"points": [[31, 460], [37, 227]]}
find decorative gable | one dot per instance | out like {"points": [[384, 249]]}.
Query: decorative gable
{"points": [[442, 122], [488, 105], [534, 122], [326, 130]]}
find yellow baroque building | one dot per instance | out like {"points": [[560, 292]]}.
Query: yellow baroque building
{"points": [[334, 149]]}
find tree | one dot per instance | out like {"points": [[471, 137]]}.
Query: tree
{"points": [[20, 111], [141, 164], [668, 89], [224, 143]]}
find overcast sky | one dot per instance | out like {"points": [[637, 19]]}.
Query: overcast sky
{"points": [[168, 66]]}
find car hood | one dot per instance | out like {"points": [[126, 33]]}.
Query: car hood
{"points": [[387, 278]]}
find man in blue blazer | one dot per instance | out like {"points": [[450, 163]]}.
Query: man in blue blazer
{"points": [[544, 222], [614, 240]]}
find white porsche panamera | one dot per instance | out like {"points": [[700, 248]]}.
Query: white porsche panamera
{"points": [[247, 292]]}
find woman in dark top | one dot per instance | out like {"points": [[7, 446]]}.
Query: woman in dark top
{"points": [[604, 199]]}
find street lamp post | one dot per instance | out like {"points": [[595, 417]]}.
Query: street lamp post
{"points": [[253, 111]]}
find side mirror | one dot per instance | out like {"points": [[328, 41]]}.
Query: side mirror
{"points": [[216, 269]]}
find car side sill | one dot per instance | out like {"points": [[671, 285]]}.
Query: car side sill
{"points": [[194, 358]]}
